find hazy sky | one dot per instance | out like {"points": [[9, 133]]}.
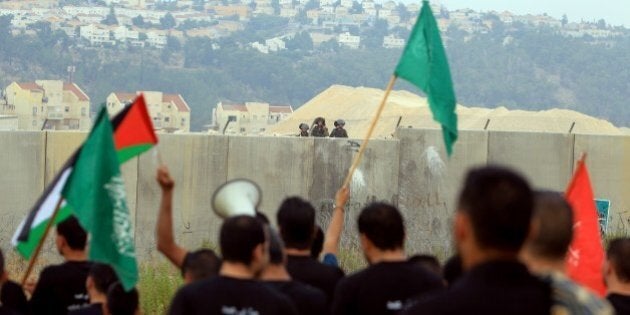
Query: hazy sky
{"points": [[615, 12]]}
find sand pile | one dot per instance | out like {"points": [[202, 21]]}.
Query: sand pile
{"points": [[357, 106]]}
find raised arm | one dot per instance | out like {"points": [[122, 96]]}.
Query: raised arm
{"points": [[164, 226], [333, 233]]}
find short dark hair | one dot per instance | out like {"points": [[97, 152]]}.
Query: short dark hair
{"points": [[201, 264], [618, 254], [554, 217], [1, 262], [239, 236], [276, 248], [499, 203], [73, 233], [318, 243], [429, 262], [103, 276], [296, 218], [121, 302], [383, 225]]}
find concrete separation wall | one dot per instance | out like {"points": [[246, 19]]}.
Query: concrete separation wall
{"points": [[411, 171]]}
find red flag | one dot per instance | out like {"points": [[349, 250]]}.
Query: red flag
{"points": [[586, 254], [133, 130]]}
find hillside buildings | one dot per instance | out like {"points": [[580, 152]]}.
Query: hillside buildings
{"points": [[169, 112], [45, 105], [251, 118]]}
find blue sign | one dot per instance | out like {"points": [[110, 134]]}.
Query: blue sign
{"points": [[603, 209]]}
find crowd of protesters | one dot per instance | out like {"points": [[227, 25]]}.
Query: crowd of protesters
{"points": [[511, 244]]}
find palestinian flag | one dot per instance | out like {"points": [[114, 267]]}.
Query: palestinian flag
{"points": [[133, 135]]}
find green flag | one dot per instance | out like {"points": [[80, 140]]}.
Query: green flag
{"points": [[96, 192], [424, 64]]}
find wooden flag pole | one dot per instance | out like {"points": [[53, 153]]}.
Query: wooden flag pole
{"points": [[357, 158], [34, 256]]}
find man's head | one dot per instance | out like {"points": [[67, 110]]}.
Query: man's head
{"points": [[494, 214], [200, 264], [340, 123], [318, 243], [617, 266], [552, 231], [296, 219], [120, 302], [70, 236], [242, 240], [381, 229], [99, 279]]}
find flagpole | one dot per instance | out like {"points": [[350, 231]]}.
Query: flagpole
{"points": [[377, 115], [33, 259]]}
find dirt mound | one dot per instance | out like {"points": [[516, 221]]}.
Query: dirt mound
{"points": [[356, 105]]}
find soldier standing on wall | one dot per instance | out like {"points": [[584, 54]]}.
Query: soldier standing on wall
{"points": [[339, 132], [319, 128], [303, 130]]}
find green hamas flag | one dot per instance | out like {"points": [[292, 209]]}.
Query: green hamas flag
{"points": [[424, 64], [96, 192]]}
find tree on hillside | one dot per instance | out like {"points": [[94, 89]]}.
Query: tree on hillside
{"points": [[110, 19], [138, 21], [168, 21], [275, 4], [301, 41], [564, 20]]}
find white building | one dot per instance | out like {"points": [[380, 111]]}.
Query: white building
{"points": [[95, 34], [349, 41], [392, 41]]}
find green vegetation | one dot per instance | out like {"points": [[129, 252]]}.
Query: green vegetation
{"points": [[516, 66]]}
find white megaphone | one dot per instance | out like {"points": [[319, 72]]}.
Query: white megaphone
{"points": [[236, 197]]}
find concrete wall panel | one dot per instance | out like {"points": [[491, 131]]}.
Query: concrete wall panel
{"points": [[22, 158], [608, 163], [545, 159], [427, 191], [376, 179], [281, 166], [198, 165]]}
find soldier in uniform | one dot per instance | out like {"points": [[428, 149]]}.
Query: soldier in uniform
{"points": [[303, 130], [339, 132], [319, 128]]}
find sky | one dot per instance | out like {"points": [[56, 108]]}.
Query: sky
{"points": [[615, 12]]}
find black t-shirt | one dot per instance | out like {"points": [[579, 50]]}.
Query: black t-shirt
{"points": [[621, 303], [92, 309], [310, 271], [13, 299], [496, 287], [384, 288], [308, 300], [225, 295], [61, 288]]}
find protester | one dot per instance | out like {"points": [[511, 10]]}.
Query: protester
{"points": [[491, 224], [545, 253], [235, 291], [12, 298], [453, 270], [429, 262], [121, 302], [391, 282], [335, 228], [308, 300], [61, 288], [296, 220], [617, 274], [99, 279], [319, 128], [196, 265], [339, 132], [303, 130]]}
